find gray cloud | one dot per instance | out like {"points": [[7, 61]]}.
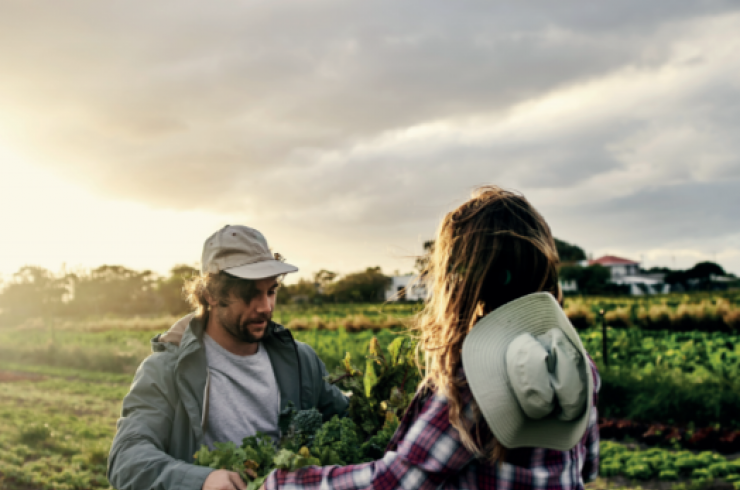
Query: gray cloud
{"points": [[376, 117]]}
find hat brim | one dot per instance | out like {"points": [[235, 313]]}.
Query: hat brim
{"points": [[484, 361], [261, 270]]}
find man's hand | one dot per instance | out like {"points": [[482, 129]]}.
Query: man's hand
{"points": [[224, 480]]}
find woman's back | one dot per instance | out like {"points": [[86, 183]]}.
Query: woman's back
{"points": [[511, 398]]}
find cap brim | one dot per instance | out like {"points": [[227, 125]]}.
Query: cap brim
{"points": [[261, 270], [484, 361]]}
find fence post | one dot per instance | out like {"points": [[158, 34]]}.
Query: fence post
{"points": [[604, 352]]}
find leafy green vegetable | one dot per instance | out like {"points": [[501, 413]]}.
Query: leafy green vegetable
{"points": [[339, 435], [379, 397], [388, 384], [290, 461], [374, 448]]}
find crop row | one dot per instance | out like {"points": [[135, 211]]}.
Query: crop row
{"points": [[661, 464], [713, 438], [716, 314], [707, 316], [698, 356]]}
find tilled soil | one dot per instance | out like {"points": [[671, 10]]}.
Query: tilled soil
{"points": [[10, 376]]}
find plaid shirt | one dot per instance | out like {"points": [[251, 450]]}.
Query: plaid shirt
{"points": [[426, 453]]}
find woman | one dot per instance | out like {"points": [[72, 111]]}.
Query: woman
{"points": [[514, 407]]}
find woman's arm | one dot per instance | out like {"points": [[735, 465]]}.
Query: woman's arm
{"points": [[428, 454]]}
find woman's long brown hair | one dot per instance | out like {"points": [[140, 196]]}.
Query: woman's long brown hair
{"points": [[491, 250]]}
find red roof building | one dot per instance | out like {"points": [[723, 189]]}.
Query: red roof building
{"points": [[609, 260], [618, 266]]}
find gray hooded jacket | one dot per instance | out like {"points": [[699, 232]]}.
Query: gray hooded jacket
{"points": [[163, 417]]}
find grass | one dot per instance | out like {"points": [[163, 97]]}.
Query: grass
{"points": [[57, 420], [55, 433]]}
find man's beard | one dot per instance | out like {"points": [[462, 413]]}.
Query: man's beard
{"points": [[241, 331]]}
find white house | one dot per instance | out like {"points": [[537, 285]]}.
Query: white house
{"points": [[618, 266], [406, 288], [569, 286], [627, 272]]}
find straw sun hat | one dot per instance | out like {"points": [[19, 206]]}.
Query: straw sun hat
{"points": [[529, 374]]}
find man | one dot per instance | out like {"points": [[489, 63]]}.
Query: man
{"points": [[219, 374]]}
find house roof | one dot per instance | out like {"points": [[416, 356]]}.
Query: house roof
{"points": [[612, 260]]}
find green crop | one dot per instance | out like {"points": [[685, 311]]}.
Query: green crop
{"points": [[298, 427], [617, 459], [387, 385]]}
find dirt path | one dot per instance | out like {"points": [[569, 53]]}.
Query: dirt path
{"points": [[11, 376]]}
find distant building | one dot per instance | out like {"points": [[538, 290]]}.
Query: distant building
{"points": [[569, 286], [627, 272], [618, 266], [406, 288]]}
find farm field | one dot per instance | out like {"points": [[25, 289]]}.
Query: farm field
{"points": [[62, 381]]}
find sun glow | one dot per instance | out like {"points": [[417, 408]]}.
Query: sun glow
{"points": [[49, 221]]}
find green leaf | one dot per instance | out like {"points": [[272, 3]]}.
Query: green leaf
{"points": [[286, 416], [371, 378], [203, 457], [284, 459], [256, 484], [397, 349]]}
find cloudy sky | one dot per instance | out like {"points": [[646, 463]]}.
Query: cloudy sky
{"points": [[344, 130]]}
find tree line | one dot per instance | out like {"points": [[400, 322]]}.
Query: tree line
{"points": [[114, 289]]}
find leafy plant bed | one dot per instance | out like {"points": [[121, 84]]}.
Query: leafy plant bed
{"points": [[623, 483], [686, 468], [725, 441], [671, 398], [697, 355]]}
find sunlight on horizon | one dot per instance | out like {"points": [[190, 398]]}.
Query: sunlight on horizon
{"points": [[49, 222]]}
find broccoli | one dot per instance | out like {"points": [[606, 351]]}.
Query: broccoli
{"points": [[337, 436], [300, 429], [374, 448], [307, 422]]}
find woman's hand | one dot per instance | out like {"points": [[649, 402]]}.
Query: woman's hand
{"points": [[224, 480]]}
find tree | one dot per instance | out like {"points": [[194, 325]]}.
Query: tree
{"points": [[322, 279], [423, 260], [361, 286], [568, 252], [169, 290], [114, 289], [33, 292], [593, 279], [704, 271], [698, 277], [304, 290]]}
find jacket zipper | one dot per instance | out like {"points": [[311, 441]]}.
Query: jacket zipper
{"points": [[204, 417]]}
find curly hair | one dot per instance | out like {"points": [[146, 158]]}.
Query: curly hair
{"points": [[222, 287], [492, 249]]}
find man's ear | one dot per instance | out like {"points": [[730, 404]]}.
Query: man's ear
{"points": [[211, 301]]}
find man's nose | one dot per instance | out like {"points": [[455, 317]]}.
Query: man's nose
{"points": [[263, 304]]}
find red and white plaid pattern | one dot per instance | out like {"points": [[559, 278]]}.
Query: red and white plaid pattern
{"points": [[426, 453]]}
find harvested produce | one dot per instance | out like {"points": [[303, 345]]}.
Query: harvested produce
{"points": [[380, 395]]}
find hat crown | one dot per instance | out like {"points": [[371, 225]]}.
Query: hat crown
{"points": [[547, 375], [233, 246], [484, 357]]}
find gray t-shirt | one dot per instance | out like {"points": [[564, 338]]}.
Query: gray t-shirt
{"points": [[243, 395]]}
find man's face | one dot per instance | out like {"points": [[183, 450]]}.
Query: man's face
{"points": [[248, 322]]}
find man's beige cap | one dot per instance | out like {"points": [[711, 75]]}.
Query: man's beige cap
{"points": [[242, 252]]}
